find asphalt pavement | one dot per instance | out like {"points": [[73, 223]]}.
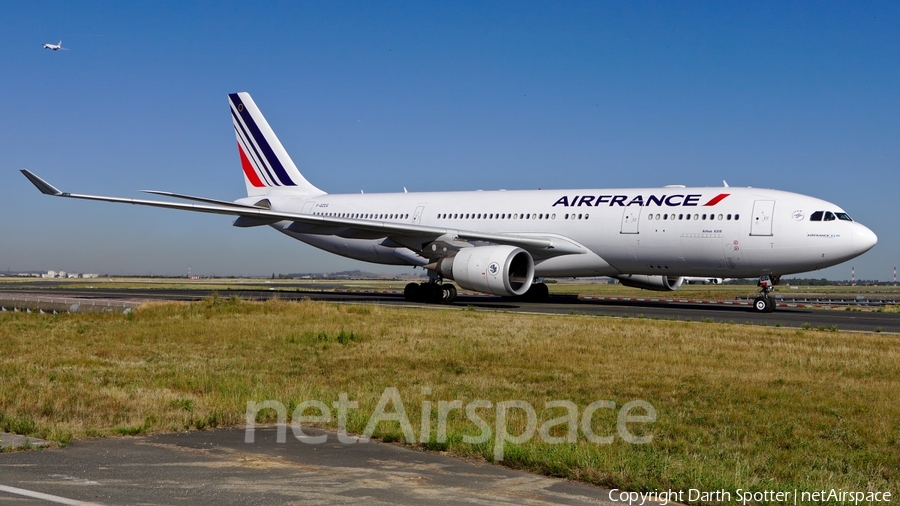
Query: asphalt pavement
{"points": [[847, 318], [218, 467]]}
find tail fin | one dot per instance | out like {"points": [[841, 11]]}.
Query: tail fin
{"points": [[268, 169]]}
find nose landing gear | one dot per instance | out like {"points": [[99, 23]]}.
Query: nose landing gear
{"points": [[765, 303]]}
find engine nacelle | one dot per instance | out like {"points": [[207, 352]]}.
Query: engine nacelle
{"points": [[498, 270], [657, 283]]}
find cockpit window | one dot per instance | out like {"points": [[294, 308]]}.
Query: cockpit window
{"points": [[829, 216], [843, 216], [816, 216]]}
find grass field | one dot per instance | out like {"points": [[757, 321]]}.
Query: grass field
{"points": [[737, 406]]}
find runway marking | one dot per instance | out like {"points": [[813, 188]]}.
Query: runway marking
{"points": [[46, 497]]}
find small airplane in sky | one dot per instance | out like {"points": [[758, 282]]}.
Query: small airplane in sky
{"points": [[56, 47]]}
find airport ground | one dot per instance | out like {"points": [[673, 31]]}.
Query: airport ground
{"points": [[738, 406], [217, 467], [860, 308]]}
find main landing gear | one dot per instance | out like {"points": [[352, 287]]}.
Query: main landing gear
{"points": [[537, 293], [435, 292], [765, 303], [432, 292]]}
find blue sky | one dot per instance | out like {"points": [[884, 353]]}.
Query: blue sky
{"points": [[803, 97]]}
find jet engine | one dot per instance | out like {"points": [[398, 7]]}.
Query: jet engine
{"points": [[657, 283], [498, 270]]}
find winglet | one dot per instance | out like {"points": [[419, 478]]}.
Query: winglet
{"points": [[45, 187]]}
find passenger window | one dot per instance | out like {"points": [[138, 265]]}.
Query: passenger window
{"points": [[567, 216], [829, 216], [586, 216], [579, 216], [720, 217], [650, 217], [696, 216], [553, 216], [737, 216]]}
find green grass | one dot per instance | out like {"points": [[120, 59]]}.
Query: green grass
{"points": [[738, 406]]}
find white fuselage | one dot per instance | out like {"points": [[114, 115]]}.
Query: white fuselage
{"points": [[676, 231]]}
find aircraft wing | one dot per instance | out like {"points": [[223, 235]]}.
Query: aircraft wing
{"points": [[415, 237]]}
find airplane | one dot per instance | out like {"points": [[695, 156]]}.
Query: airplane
{"points": [[55, 47], [503, 242]]}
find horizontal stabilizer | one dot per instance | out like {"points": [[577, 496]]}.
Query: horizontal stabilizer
{"points": [[196, 199]]}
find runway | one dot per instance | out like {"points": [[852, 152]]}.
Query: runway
{"points": [[794, 317]]}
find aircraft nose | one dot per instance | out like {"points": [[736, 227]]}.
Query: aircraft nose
{"points": [[863, 238]]}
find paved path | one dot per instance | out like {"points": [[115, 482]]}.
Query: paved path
{"points": [[218, 467]]}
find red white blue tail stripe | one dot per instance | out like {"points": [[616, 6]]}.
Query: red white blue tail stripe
{"points": [[261, 166], [265, 162]]}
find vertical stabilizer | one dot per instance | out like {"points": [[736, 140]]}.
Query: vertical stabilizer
{"points": [[268, 169]]}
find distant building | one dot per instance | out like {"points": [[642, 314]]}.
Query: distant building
{"points": [[73, 275], [90, 276]]}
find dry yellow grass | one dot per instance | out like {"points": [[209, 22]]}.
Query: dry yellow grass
{"points": [[738, 406]]}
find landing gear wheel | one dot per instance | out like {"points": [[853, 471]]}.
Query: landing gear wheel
{"points": [[432, 293], [761, 304], [449, 293], [764, 304], [538, 292], [412, 292]]}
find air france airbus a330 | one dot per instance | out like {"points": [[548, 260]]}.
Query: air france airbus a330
{"points": [[500, 242]]}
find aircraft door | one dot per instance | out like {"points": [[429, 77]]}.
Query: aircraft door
{"points": [[630, 220], [308, 207], [761, 221], [417, 216]]}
